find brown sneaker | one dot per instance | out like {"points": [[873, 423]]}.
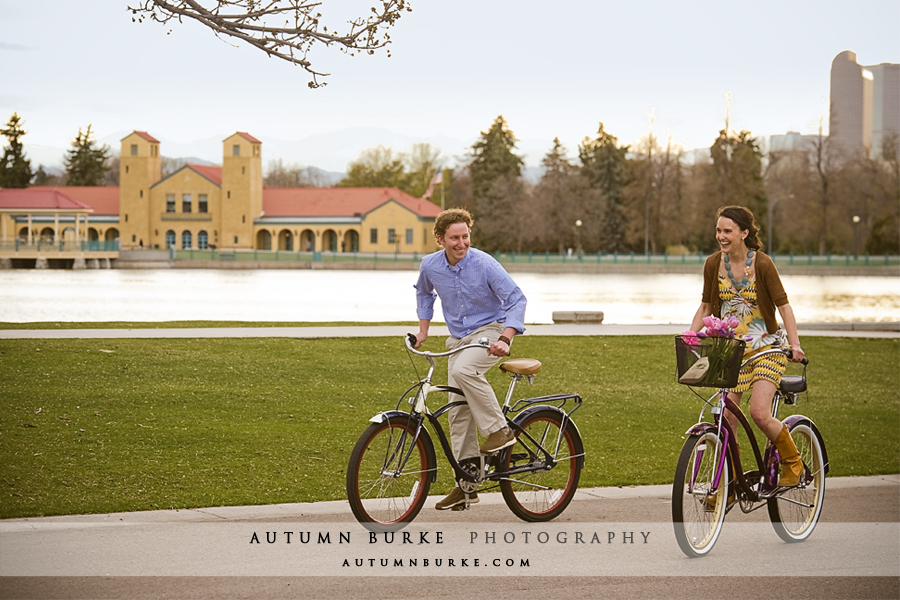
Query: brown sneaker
{"points": [[456, 498], [498, 441]]}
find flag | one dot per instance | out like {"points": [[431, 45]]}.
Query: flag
{"points": [[436, 180]]}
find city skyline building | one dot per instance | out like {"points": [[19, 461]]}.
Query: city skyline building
{"points": [[865, 104]]}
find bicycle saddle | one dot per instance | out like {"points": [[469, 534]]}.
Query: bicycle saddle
{"points": [[793, 383], [521, 366]]}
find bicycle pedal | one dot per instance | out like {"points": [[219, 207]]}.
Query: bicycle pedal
{"points": [[459, 507]]}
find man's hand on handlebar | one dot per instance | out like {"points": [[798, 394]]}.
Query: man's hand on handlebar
{"points": [[499, 348]]}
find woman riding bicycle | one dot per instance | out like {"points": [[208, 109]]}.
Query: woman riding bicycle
{"points": [[740, 281], [479, 299]]}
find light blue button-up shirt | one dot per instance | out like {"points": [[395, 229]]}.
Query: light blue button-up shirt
{"points": [[474, 292]]}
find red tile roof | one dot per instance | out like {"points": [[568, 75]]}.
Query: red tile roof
{"points": [[42, 198], [339, 202], [277, 202], [103, 199], [211, 172], [146, 136], [247, 136]]}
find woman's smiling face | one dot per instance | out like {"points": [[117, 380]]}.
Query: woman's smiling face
{"points": [[729, 236]]}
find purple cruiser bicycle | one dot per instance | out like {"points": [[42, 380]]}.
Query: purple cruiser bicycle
{"points": [[710, 479]]}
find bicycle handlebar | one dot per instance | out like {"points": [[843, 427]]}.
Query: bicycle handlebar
{"points": [[410, 339], [786, 351]]}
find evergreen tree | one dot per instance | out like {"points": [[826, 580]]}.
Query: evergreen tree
{"points": [[603, 164], [737, 161], [85, 162], [492, 159], [562, 198], [15, 169]]}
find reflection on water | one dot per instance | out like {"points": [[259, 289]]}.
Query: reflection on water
{"points": [[372, 296]]}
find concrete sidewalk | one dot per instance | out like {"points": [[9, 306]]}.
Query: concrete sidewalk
{"points": [[339, 510], [858, 330]]}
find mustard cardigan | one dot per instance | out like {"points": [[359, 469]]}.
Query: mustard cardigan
{"points": [[769, 291]]}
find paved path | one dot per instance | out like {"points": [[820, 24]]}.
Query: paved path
{"points": [[610, 542], [881, 330]]}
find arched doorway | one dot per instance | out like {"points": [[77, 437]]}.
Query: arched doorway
{"points": [[329, 241], [263, 240], [351, 242], [307, 241], [47, 235], [170, 239], [202, 240], [187, 240], [113, 234], [285, 240]]}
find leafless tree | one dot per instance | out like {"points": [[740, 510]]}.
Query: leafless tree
{"points": [[286, 29]]}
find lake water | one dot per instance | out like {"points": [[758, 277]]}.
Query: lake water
{"points": [[374, 296]]}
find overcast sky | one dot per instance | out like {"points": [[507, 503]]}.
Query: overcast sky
{"points": [[553, 69]]}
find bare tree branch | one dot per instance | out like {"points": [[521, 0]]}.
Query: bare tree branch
{"points": [[286, 29]]}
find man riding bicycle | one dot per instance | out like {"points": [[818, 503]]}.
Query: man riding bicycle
{"points": [[479, 299]]}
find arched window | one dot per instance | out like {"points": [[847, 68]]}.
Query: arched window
{"points": [[186, 240], [170, 239], [203, 240], [285, 240], [263, 240], [307, 241], [351, 241], [329, 241]]}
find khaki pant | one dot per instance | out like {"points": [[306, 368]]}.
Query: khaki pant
{"points": [[482, 412]]}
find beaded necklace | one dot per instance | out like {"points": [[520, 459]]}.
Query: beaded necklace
{"points": [[739, 286]]}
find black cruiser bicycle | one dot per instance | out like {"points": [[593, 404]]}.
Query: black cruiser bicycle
{"points": [[394, 462]]}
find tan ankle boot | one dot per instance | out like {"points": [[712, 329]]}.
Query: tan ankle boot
{"points": [[791, 465]]}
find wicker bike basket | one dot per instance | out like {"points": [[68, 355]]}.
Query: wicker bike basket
{"points": [[708, 361]]}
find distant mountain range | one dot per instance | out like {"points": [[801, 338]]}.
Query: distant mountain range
{"points": [[328, 153]]}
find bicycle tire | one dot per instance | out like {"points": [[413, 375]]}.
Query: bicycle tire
{"points": [[697, 514], [382, 495], [795, 512], [543, 494]]}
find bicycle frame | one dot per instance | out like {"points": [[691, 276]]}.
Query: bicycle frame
{"points": [[420, 412], [762, 483]]}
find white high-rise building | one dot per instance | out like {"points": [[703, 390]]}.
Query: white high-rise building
{"points": [[865, 103]]}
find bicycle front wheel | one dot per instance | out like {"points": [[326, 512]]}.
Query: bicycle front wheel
{"points": [[795, 512], [545, 492], [698, 504], [389, 475]]}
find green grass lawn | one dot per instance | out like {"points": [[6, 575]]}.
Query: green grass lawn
{"points": [[91, 426]]}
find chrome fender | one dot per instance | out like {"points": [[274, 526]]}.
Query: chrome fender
{"points": [[399, 415]]}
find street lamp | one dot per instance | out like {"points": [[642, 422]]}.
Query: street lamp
{"points": [[578, 237], [855, 238]]}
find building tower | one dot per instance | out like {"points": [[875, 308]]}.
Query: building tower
{"points": [[139, 168], [885, 103], [242, 187], [850, 118]]}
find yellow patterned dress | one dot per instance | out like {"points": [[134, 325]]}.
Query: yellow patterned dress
{"points": [[743, 305]]}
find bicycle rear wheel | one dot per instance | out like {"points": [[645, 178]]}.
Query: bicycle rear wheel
{"points": [[389, 475], [544, 493], [698, 509], [795, 512]]}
